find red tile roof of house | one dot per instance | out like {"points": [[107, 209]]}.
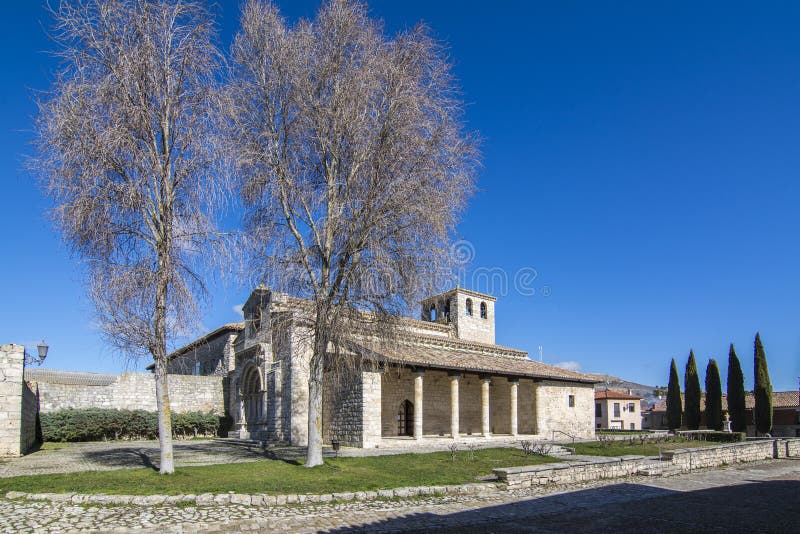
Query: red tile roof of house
{"points": [[612, 394], [780, 399]]}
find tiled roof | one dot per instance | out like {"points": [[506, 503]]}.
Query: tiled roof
{"points": [[462, 356], [780, 399], [611, 394]]}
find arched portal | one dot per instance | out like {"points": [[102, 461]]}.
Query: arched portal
{"points": [[405, 419], [252, 397]]}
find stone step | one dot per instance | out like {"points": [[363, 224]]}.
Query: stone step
{"points": [[660, 469]]}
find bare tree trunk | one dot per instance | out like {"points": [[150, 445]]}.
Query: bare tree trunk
{"points": [[314, 456], [167, 464]]}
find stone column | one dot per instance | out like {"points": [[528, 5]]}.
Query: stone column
{"points": [[418, 374], [514, 383], [485, 427], [454, 404], [371, 409]]}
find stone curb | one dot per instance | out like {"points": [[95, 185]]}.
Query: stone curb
{"points": [[212, 499]]}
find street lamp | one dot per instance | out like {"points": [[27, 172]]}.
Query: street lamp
{"points": [[41, 354]]}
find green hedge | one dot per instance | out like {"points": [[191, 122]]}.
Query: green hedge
{"points": [[714, 435], [97, 424]]}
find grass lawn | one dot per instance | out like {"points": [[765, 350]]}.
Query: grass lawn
{"points": [[279, 477], [649, 448]]}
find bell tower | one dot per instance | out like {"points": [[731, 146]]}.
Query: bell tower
{"points": [[471, 313]]}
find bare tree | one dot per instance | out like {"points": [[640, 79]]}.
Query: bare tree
{"points": [[126, 152], [355, 166]]}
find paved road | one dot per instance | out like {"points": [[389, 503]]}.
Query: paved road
{"points": [[762, 497]]}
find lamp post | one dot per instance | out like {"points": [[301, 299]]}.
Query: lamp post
{"points": [[41, 354]]}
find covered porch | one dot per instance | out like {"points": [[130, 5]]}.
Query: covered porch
{"points": [[430, 404]]}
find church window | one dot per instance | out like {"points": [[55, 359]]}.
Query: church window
{"points": [[433, 312], [196, 368], [484, 311], [469, 307]]}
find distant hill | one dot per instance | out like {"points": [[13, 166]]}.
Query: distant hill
{"points": [[618, 384]]}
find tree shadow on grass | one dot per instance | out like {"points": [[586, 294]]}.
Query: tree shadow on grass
{"points": [[190, 453], [771, 506]]}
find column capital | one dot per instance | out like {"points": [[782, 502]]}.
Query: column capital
{"points": [[514, 380], [454, 374], [419, 371], [486, 378]]}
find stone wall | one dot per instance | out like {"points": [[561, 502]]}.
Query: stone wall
{"points": [[553, 411], [570, 472], [28, 416], [130, 391], [500, 406], [684, 460], [342, 407], [526, 407], [209, 357], [12, 362], [728, 453], [473, 327], [371, 408]]}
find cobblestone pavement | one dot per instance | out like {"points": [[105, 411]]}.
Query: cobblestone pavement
{"points": [[761, 497]]}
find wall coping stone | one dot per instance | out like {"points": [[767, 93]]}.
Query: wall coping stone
{"points": [[210, 499]]}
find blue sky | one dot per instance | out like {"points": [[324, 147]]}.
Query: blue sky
{"points": [[642, 158]]}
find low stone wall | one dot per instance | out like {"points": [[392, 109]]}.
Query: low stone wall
{"points": [[679, 460], [129, 391], [212, 499], [717, 455], [571, 472]]}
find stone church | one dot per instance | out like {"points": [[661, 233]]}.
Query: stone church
{"points": [[441, 376]]}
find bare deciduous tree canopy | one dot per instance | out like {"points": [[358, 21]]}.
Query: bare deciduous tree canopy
{"points": [[354, 162], [126, 152]]}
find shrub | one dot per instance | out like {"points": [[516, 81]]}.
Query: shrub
{"points": [[714, 435], [95, 424]]}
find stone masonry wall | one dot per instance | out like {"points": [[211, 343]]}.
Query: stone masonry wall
{"points": [[570, 472], [342, 407], [685, 459], [371, 408], [12, 361], [352, 408], [729, 453], [553, 411], [129, 391], [30, 410], [212, 357], [500, 406], [526, 407]]}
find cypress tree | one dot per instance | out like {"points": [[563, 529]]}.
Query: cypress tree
{"points": [[691, 384], [713, 396], [736, 407], [762, 390], [674, 408]]}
